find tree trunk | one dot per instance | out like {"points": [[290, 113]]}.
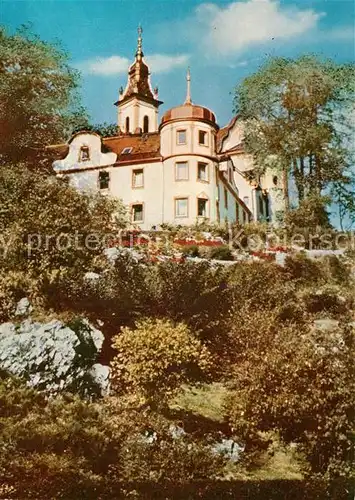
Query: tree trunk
{"points": [[298, 174], [285, 189]]}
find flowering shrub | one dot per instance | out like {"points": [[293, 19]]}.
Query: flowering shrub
{"points": [[265, 256]]}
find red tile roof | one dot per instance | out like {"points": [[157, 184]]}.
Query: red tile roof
{"points": [[140, 144], [144, 147]]}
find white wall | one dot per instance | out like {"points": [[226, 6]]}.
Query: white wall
{"points": [[191, 189], [169, 145], [136, 109], [97, 158], [234, 137]]}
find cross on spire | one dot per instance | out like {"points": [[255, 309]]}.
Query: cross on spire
{"points": [[139, 52], [188, 87]]}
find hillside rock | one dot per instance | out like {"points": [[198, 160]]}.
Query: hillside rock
{"points": [[54, 356]]}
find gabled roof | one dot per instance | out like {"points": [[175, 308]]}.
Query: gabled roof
{"points": [[144, 147], [224, 132]]}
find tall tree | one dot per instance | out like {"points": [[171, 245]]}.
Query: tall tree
{"points": [[298, 120], [39, 102]]}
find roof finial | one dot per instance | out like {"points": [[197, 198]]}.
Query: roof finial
{"points": [[139, 52], [188, 88]]}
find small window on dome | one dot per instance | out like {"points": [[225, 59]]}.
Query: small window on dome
{"points": [[202, 137], [181, 137], [84, 154], [275, 180]]}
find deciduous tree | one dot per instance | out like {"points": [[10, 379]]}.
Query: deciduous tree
{"points": [[298, 119], [39, 102]]}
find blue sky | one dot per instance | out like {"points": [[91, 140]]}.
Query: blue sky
{"points": [[222, 41]]}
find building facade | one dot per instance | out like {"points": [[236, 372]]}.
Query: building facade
{"points": [[179, 171]]}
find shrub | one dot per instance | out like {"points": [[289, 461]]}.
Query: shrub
{"points": [[311, 216], [195, 293], [153, 360], [300, 268], [191, 251], [68, 448], [259, 285], [221, 253], [300, 385], [326, 299]]}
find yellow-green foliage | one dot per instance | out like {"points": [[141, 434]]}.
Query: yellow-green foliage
{"points": [[67, 448], [153, 360]]}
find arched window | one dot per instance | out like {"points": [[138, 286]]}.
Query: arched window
{"points": [[84, 154], [145, 124], [127, 124]]}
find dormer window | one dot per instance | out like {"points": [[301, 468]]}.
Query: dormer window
{"points": [[84, 154], [126, 151]]}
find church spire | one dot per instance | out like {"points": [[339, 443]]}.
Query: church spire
{"points": [[139, 52], [188, 87]]}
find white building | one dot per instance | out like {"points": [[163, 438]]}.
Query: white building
{"points": [[180, 171]]}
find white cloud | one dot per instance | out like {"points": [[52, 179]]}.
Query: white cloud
{"points": [[233, 28], [115, 65], [161, 63]]}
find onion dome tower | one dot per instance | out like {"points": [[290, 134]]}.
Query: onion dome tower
{"points": [[138, 103]]}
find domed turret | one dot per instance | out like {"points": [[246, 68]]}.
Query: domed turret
{"points": [[188, 110]]}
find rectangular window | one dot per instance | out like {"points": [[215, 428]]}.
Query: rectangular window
{"points": [[246, 200], [181, 171], [137, 212], [236, 212], [202, 172], [201, 207], [225, 198], [137, 178], [181, 207], [104, 180], [181, 137], [202, 137]]}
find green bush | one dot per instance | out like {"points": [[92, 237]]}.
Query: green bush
{"points": [[66, 448], [259, 285], [156, 358], [300, 268], [221, 253], [191, 251], [299, 384]]}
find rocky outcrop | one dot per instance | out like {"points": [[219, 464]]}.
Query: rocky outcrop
{"points": [[54, 356]]}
